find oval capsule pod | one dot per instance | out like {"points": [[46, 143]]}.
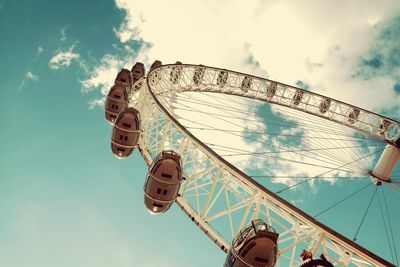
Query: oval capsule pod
{"points": [[256, 245], [324, 105], [176, 72], [126, 132], [155, 65], [137, 72], [198, 75], [271, 90], [353, 115], [117, 100], [155, 78], [384, 127], [124, 77], [222, 78], [246, 83], [163, 182], [297, 97]]}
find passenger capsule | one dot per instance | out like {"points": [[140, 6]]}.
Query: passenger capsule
{"points": [[309, 261], [384, 127], [137, 72], [297, 97], [271, 90], [117, 100], [198, 75], [155, 65], [163, 182], [176, 72], [222, 78], [324, 105], [155, 78], [126, 132], [256, 245], [353, 115], [124, 77], [246, 83]]}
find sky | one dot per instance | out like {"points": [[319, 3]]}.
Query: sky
{"points": [[65, 200]]}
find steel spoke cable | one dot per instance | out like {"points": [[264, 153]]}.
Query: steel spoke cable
{"points": [[302, 182], [245, 136], [264, 133], [367, 164], [302, 177], [354, 170], [301, 162], [365, 214], [390, 227], [311, 127], [322, 130], [264, 156], [386, 230], [252, 139], [235, 117], [342, 155], [351, 154], [344, 199], [295, 150]]}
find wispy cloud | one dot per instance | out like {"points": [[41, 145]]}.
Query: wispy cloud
{"points": [[39, 50], [31, 76], [103, 75], [21, 85], [63, 59], [97, 102], [63, 33]]}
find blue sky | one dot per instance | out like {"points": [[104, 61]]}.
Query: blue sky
{"points": [[65, 200]]}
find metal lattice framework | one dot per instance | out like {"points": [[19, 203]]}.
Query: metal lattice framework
{"points": [[219, 198]]}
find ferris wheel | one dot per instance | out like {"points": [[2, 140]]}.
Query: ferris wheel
{"points": [[179, 117]]}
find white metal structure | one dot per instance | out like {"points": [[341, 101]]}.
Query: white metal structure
{"points": [[221, 199]]}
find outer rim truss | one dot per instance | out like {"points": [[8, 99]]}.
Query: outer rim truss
{"points": [[209, 175]]}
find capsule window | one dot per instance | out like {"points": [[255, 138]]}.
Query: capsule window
{"points": [[165, 192], [259, 259], [158, 205], [121, 149], [127, 125], [166, 175], [117, 96], [158, 190]]}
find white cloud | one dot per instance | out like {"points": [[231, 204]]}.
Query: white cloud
{"points": [[318, 43], [97, 102], [31, 76], [63, 59], [39, 50], [21, 85], [102, 76], [63, 33], [283, 37]]}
